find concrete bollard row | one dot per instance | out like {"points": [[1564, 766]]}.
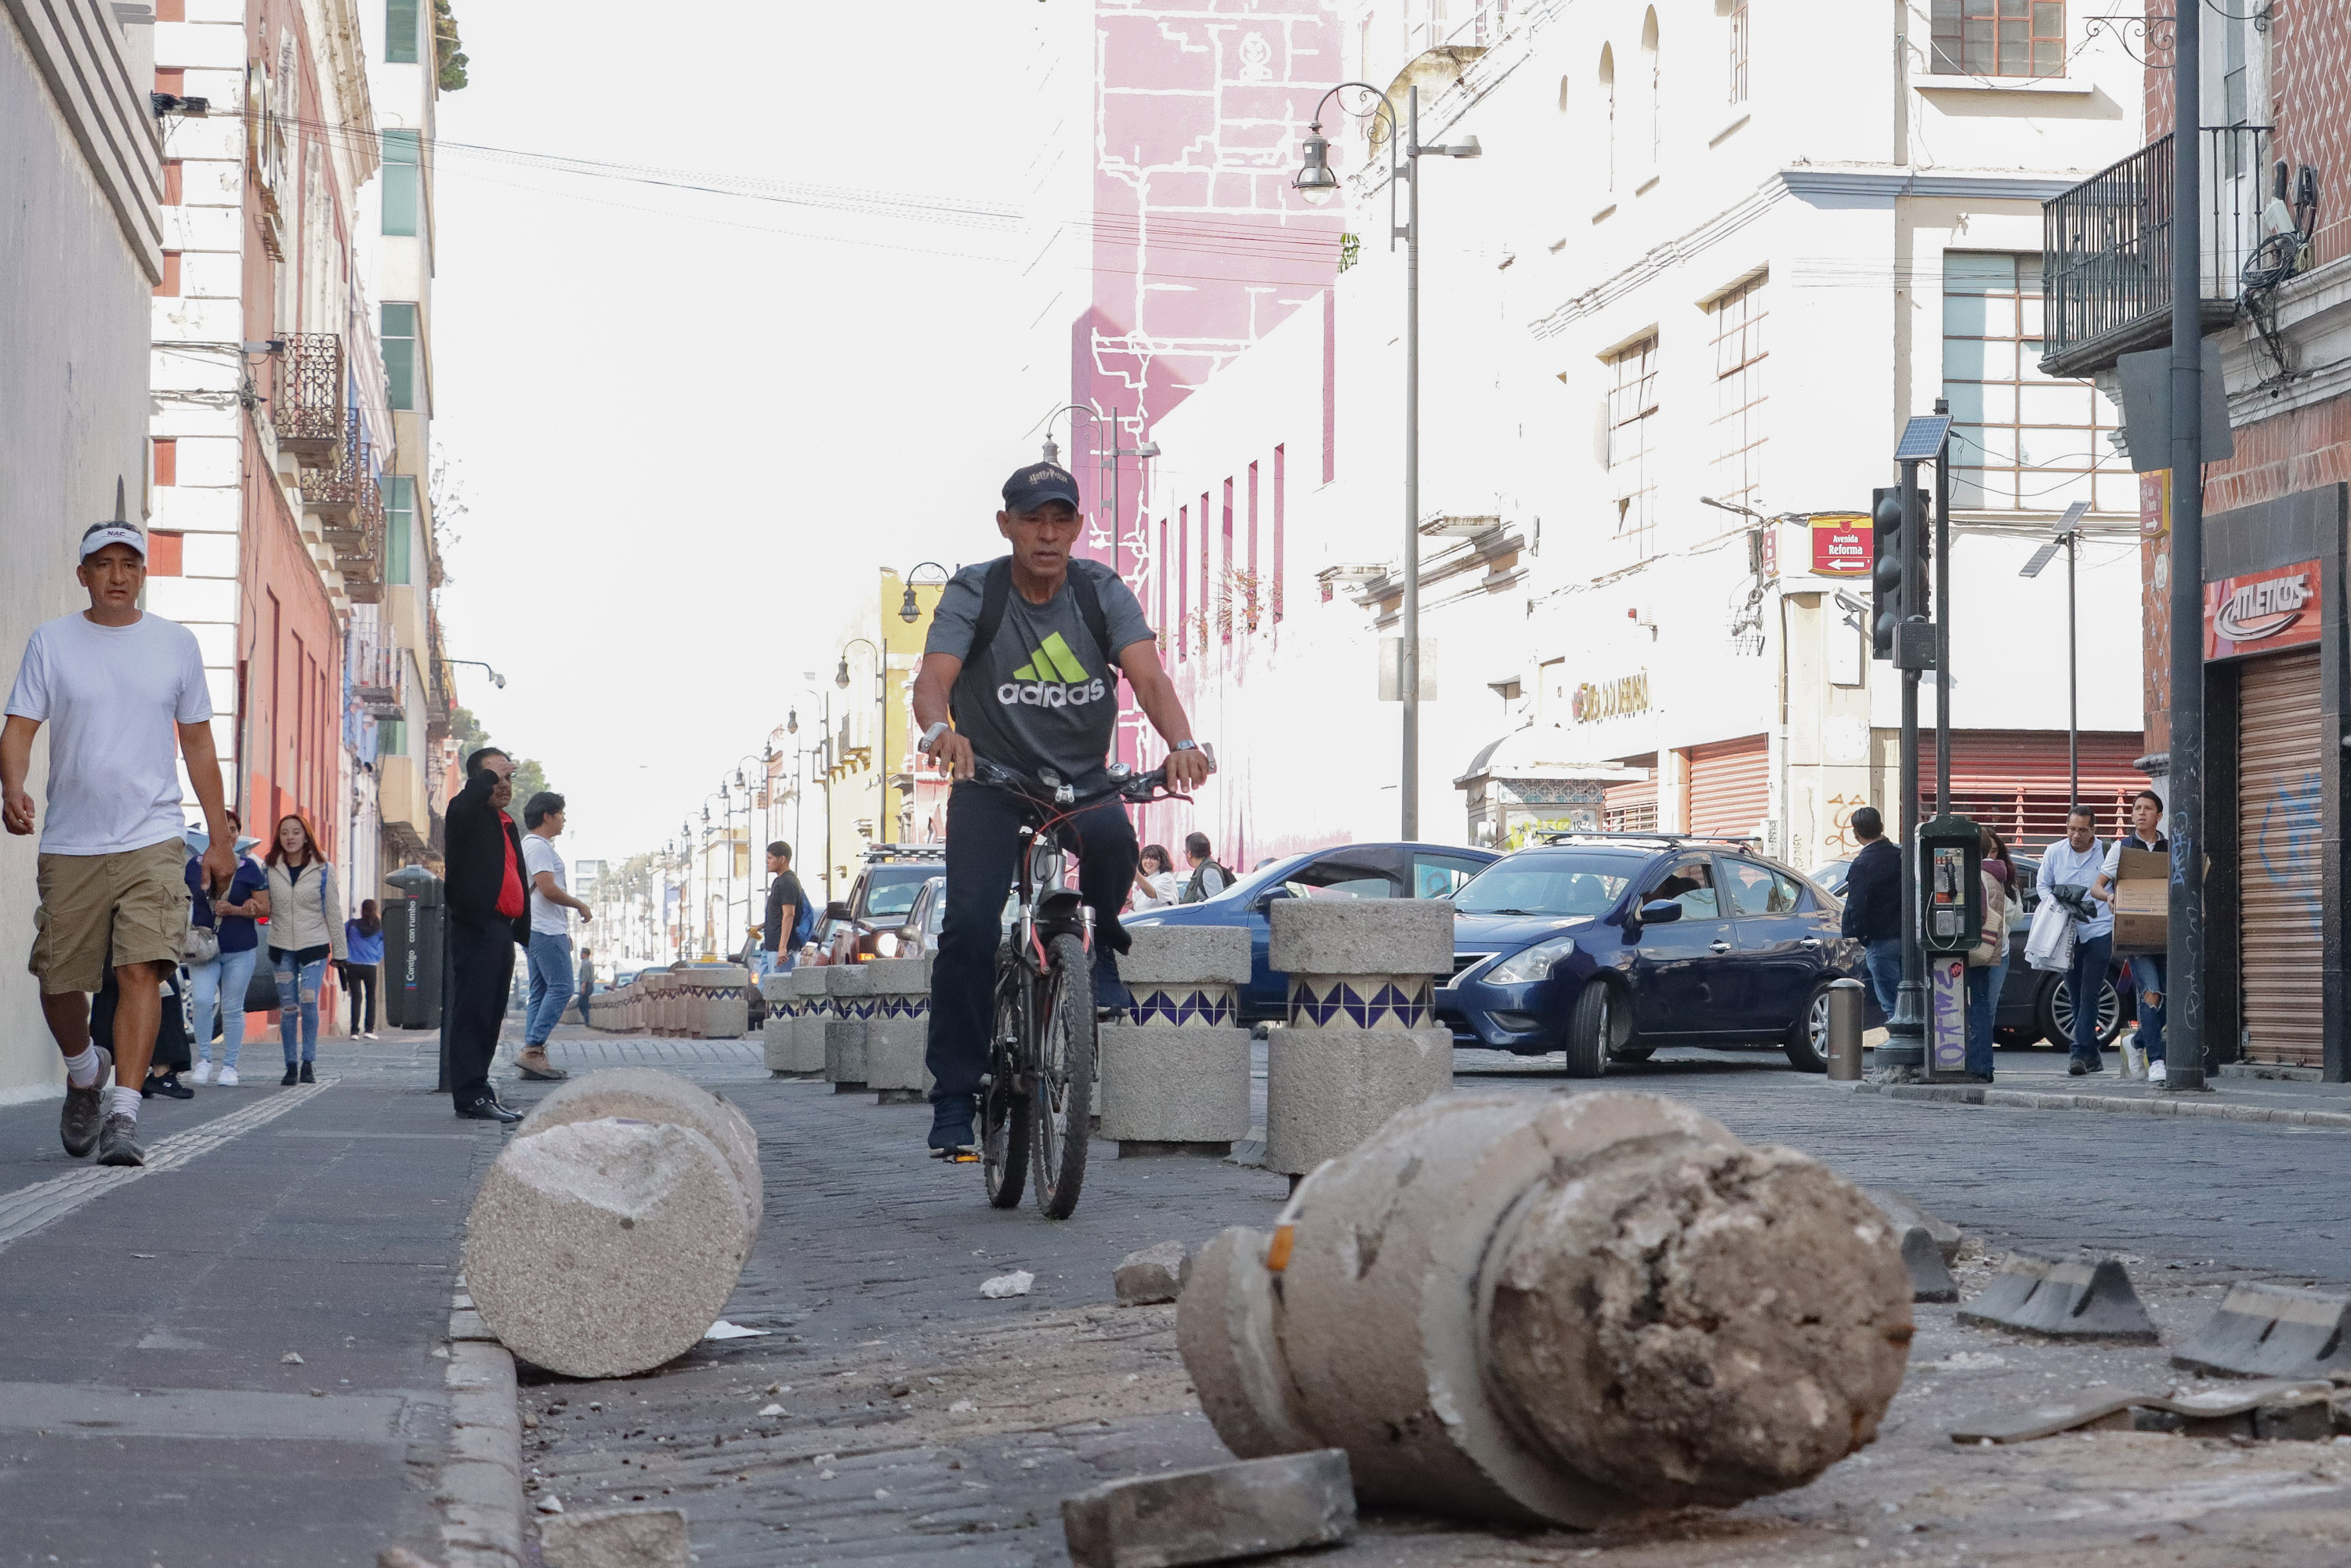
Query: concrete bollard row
{"points": [[721, 1005], [1362, 1041], [897, 1028], [611, 1231], [806, 1058], [1562, 1309], [1175, 1077], [848, 995]]}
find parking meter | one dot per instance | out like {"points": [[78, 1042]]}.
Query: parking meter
{"points": [[1951, 885]]}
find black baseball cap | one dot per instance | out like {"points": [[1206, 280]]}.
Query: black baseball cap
{"points": [[1039, 483]]}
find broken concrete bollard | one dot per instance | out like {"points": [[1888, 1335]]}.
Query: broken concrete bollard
{"points": [[1214, 1515], [2079, 1299], [1175, 1078], [1152, 1274], [1564, 1309], [645, 1094], [604, 1248], [616, 1538], [898, 1029], [849, 992], [783, 1005], [1362, 1041], [808, 1027]]}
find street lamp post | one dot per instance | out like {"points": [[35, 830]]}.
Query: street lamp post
{"points": [[881, 730], [1317, 183], [496, 679]]}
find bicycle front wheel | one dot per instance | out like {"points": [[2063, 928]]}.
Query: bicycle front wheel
{"points": [[1004, 1105], [1064, 1096]]}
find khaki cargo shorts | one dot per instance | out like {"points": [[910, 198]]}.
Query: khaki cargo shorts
{"points": [[135, 901]]}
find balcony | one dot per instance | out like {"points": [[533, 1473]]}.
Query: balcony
{"points": [[307, 412], [349, 503], [2105, 262], [379, 667]]}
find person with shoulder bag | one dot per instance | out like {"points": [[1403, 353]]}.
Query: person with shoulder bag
{"points": [[218, 985], [1987, 961], [305, 925]]}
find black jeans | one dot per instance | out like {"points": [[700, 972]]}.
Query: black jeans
{"points": [[983, 855], [359, 978], [481, 973]]}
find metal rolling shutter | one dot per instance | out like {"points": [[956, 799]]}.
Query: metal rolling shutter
{"points": [[2281, 945], [1632, 808], [1729, 786], [2014, 780]]}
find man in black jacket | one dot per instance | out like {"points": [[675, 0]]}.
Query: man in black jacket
{"points": [[488, 914], [1872, 905]]}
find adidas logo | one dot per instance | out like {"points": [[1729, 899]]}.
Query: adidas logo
{"points": [[1051, 678]]}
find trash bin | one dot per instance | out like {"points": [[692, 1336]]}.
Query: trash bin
{"points": [[414, 939]]}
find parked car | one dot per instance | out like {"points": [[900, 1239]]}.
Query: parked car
{"points": [[1607, 945], [2036, 1005], [856, 928], [918, 935], [1346, 870]]}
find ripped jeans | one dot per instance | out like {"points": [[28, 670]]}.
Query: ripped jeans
{"points": [[298, 999]]}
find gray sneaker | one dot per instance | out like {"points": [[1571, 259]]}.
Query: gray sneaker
{"points": [[77, 1124], [118, 1142]]}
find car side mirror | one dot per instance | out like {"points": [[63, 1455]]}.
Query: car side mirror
{"points": [[1265, 900], [1660, 912], [836, 909]]}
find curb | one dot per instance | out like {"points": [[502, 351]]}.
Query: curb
{"points": [[2153, 1106], [481, 1480]]}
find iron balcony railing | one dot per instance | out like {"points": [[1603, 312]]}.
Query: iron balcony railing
{"points": [[379, 666], [308, 412], [2105, 249], [347, 501]]}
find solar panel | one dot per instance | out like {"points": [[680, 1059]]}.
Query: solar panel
{"points": [[2074, 514], [2040, 557], [1922, 438]]}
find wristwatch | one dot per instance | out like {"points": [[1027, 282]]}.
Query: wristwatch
{"points": [[1186, 746], [931, 737]]}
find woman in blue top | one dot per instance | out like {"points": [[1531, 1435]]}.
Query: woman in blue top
{"points": [[222, 981], [364, 938]]}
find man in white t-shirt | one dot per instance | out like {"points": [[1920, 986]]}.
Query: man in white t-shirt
{"points": [[551, 932], [113, 683]]}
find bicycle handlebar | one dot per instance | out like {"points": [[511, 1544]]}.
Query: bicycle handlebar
{"points": [[1142, 789]]}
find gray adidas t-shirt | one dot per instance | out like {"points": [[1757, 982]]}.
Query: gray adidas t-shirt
{"points": [[1042, 696]]}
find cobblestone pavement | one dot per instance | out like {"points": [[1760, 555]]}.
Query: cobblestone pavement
{"points": [[890, 1414]]}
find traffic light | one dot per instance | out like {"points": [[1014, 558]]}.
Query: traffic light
{"points": [[1892, 600]]}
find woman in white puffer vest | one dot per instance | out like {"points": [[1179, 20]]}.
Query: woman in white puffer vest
{"points": [[306, 926]]}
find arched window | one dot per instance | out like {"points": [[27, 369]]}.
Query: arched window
{"points": [[1656, 129], [1607, 110]]}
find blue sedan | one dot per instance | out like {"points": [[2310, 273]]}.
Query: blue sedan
{"points": [[1608, 947], [1347, 871]]}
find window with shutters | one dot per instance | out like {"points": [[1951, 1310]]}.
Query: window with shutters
{"points": [[1999, 37], [1740, 19], [392, 737], [1632, 428], [403, 361], [403, 182], [399, 527], [400, 32]]}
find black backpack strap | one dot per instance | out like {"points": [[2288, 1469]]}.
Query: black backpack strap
{"points": [[1089, 611], [996, 591]]}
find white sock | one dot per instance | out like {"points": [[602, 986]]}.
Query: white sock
{"points": [[126, 1103], [81, 1071]]}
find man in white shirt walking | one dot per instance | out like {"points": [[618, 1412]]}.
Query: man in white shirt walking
{"points": [[550, 933], [114, 684], [2077, 861]]}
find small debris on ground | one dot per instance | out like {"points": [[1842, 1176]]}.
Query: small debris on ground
{"points": [[1152, 1274], [722, 1329], [289, 1359], [617, 1538], [1015, 1283]]}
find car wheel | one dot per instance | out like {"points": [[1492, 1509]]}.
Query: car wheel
{"points": [[2057, 1014], [1591, 1029], [1807, 1041], [1631, 1053]]}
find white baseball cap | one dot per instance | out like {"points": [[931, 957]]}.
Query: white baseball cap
{"points": [[101, 535]]}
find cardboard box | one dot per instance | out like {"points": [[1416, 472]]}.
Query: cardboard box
{"points": [[2142, 901]]}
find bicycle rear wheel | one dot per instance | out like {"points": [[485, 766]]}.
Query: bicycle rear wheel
{"points": [[1003, 1130], [1062, 1103]]}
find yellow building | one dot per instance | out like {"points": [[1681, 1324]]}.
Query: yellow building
{"points": [[876, 795]]}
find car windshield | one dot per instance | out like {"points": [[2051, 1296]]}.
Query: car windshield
{"points": [[890, 889], [1556, 884]]}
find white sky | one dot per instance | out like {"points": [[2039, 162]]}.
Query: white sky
{"points": [[687, 434]]}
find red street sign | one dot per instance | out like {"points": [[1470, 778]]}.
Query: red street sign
{"points": [[1841, 545], [2262, 612]]}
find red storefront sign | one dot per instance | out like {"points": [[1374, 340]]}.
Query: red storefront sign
{"points": [[2262, 612], [1840, 544]]}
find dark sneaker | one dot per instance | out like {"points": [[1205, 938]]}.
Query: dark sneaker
{"points": [[167, 1084], [79, 1123], [1112, 1000], [951, 1137], [293, 1076], [118, 1142], [309, 1076]]}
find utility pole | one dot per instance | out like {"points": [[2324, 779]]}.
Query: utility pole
{"points": [[2184, 1006], [1905, 1045], [1408, 662], [1943, 619]]}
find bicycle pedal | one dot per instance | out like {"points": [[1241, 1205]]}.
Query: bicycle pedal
{"points": [[960, 1156]]}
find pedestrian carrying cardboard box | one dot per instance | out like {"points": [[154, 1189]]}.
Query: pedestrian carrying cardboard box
{"points": [[2142, 901]]}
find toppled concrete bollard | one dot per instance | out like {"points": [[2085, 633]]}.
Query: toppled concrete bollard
{"points": [[1153, 1274], [604, 1248], [1564, 1309], [807, 1027], [647, 1094], [1212, 1515], [1175, 1078], [1906, 1211], [1930, 1276], [1362, 1041], [616, 1538], [849, 992], [2272, 1330], [898, 1029], [2062, 1298]]}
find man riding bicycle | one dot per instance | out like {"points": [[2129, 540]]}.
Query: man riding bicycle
{"points": [[1017, 671]]}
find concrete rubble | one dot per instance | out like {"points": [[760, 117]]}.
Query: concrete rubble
{"points": [[1153, 1275], [616, 1538], [1213, 1514], [1568, 1308], [2078, 1299]]}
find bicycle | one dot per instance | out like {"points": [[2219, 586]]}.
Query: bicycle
{"points": [[1037, 1096]]}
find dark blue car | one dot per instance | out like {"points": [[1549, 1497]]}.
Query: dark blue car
{"points": [[1607, 946], [1347, 871]]}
